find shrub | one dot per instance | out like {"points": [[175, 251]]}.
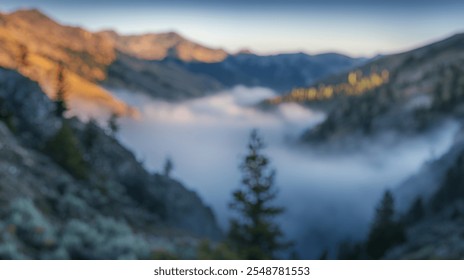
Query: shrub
{"points": [[105, 238]]}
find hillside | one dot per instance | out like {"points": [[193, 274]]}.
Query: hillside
{"points": [[434, 231], [423, 87], [160, 46], [280, 72], [36, 46], [394, 97], [437, 232], [66, 187]]}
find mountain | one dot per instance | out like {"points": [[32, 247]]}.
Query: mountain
{"points": [[37, 46], [164, 65], [407, 94], [69, 190], [280, 72], [155, 79], [160, 46]]}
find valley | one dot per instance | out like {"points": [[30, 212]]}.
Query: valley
{"points": [[140, 139]]}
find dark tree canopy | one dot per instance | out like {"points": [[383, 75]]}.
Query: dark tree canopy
{"points": [[386, 231]]}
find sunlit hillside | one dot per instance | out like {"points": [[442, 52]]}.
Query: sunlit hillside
{"points": [[356, 85], [36, 45]]}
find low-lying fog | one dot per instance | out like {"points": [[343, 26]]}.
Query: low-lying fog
{"points": [[327, 198]]}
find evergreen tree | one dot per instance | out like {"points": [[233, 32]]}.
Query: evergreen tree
{"points": [[385, 232], [113, 124], [61, 91], [255, 234], [416, 212], [349, 250], [168, 167]]}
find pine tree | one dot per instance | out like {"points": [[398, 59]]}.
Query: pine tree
{"points": [[61, 91], [255, 234], [113, 124], [385, 232], [417, 211], [168, 167]]}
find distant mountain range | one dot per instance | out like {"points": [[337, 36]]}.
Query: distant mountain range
{"points": [[164, 65], [281, 72]]}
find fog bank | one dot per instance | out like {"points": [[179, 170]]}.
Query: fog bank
{"points": [[326, 197]]}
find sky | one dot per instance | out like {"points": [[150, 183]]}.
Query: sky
{"points": [[356, 28]]}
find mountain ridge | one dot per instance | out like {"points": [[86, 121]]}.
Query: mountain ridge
{"points": [[423, 88]]}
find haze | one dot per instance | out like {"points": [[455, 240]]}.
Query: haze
{"points": [[206, 139], [357, 28]]}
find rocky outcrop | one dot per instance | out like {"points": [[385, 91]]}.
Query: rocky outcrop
{"points": [[115, 210]]}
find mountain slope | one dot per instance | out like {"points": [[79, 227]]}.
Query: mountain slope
{"points": [[280, 72], [112, 208], [434, 231], [168, 82], [37, 46], [164, 45], [424, 87]]}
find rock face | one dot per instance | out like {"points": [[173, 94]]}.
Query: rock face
{"points": [[115, 210]]}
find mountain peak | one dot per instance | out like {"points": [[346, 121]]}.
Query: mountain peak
{"points": [[172, 35], [30, 14], [244, 51], [158, 46]]}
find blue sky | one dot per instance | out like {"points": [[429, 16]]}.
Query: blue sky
{"points": [[359, 27]]}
